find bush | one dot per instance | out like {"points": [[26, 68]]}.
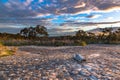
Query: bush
{"points": [[80, 43], [1, 43], [59, 44], [83, 43]]}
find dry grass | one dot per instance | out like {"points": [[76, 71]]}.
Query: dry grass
{"points": [[6, 51]]}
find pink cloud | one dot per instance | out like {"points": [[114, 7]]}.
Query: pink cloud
{"points": [[40, 0]]}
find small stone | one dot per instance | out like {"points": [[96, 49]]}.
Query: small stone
{"points": [[36, 59], [12, 74], [2, 77], [84, 72], [88, 68], [44, 77], [56, 79], [73, 72], [69, 78], [50, 79], [39, 75], [93, 77], [53, 75]]}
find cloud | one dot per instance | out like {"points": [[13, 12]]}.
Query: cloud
{"points": [[109, 18], [90, 5], [80, 5], [32, 8], [40, 0], [15, 10], [93, 16], [67, 12], [59, 30], [10, 30], [107, 6], [88, 23]]}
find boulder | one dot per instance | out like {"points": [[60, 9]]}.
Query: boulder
{"points": [[79, 58]]}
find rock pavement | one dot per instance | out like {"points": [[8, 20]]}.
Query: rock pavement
{"points": [[57, 63]]}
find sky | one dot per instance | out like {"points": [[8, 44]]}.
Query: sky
{"points": [[59, 16]]}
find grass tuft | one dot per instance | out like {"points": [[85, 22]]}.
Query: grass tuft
{"points": [[6, 51]]}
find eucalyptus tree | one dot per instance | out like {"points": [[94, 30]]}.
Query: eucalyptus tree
{"points": [[107, 34], [41, 30], [24, 32], [36, 31], [81, 34]]}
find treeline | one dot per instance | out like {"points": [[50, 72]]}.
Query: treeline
{"points": [[108, 35], [39, 36]]}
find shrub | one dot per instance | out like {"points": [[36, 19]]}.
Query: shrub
{"points": [[80, 43], [83, 43], [59, 44], [1, 44]]}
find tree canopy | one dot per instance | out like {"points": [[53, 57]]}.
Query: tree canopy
{"points": [[34, 31]]}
